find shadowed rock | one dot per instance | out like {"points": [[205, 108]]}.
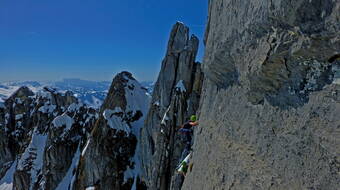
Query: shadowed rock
{"points": [[175, 97]]}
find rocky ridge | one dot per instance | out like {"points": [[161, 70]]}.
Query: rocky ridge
{"points": [[175, 97], [110, 159], [41, 133]]}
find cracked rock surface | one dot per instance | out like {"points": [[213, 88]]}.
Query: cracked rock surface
{"points": [[270, 100]]}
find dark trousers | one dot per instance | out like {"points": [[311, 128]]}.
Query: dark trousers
{"points": [[188, 138], [187, 134]]}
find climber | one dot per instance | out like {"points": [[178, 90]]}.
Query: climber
{"points": [[186, 128]]}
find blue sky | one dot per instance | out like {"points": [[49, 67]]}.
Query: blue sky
{"points": [[90, 39]]}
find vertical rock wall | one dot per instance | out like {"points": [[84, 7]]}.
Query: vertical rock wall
{"points": [[270, 104]]}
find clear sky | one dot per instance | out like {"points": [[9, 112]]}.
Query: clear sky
{"points": [[90, 39]]}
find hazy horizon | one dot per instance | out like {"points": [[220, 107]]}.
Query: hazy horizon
{"points": [[63, 80], [49, 41]]}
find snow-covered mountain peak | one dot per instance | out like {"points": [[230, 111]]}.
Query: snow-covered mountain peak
{"points": [[127, 94]]}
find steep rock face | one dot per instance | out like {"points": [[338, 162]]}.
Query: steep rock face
{"points": [[110, 158], [13, 131], [67, 132], [41, 133], [270, 100], [176, 96]]}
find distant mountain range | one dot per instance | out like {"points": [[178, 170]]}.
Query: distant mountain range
{"points": [[91, 93]]}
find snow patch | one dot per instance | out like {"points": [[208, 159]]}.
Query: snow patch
{"points": [[6, 186], [6, 118], [336, 81], [6, 183], [118, 110], [88, 118], [180, 86], [63, 120], [336, 71], [114, 121], [85, 148], [165, 116], [94, 102], [129, 173], [68, 178], [19, 116], [44, 94], [156, 103], [18, 100], [47, 108], [33, 156], [136, 97], [74, 107], [19, 124]]}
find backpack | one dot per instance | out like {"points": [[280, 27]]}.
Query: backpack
{"points": [[187, 125]]}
